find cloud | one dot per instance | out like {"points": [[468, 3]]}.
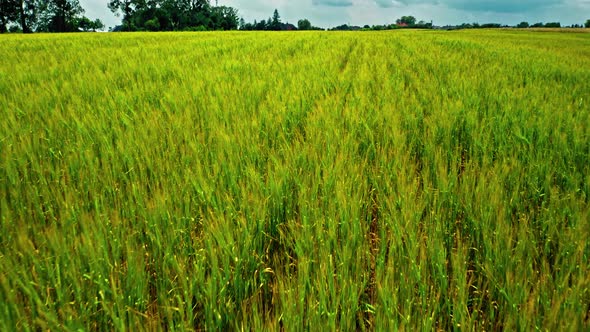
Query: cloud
{"points": [[501, 6], [497, 6], [351, 3], [386, 3], [333, 3]]}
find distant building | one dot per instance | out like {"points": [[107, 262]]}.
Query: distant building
{"points": [[288, 26]]}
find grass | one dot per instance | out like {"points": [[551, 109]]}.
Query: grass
{"points": [[408, 180]]}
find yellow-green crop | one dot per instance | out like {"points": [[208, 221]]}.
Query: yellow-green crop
{"points": [[405, 180]]}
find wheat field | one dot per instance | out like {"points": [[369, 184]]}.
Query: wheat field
{"points": [[401, 180]]}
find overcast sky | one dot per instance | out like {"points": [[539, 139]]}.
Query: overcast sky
{"points": [[330, 13]]}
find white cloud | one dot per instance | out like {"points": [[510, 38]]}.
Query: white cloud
{"points": [[334, 3]]}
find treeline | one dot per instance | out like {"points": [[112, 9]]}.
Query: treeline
{"points": [[498, 25], [410, 22], [521, 25], [405, 22], [137, 15], [45, 16], [274, 23], [524, 25], [173, 15]]}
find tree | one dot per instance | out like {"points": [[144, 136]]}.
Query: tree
{"points": [[406, 20], [152, 25], [587, 24], [523, 25], [9, 10], [304, 24], [225, 18], [260, 25], [59, 15], [86, 24], [275, 23], [97, 25], [125, 7], [173, 15], [27, 15], [553, 25]]}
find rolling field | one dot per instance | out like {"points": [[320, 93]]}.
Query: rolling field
{"points": [[308, 181]]}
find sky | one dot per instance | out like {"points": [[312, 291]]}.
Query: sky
{"points": [[331, 13]]}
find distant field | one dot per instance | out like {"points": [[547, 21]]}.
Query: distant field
{"points": [[402, 180], [565, 30]]}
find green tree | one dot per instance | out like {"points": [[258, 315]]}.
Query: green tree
{"points": [[27, 15], [59, 15], [86, 24], [406, 20], [152, 24], [225, 18], [260, 25], [523, 25], [98, 25], [275, 23], [304, 24], [553, 25], [9, 10], [125, 8], [587, 24], [174, 15]]}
